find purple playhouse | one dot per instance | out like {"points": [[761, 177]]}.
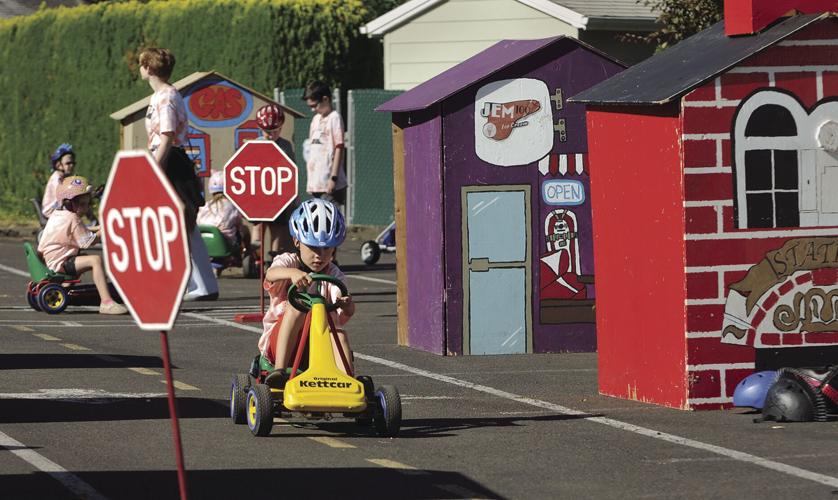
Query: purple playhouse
{"points": [[494, 247]]}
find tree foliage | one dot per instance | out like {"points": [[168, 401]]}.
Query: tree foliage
{"points": [[65, 70], [680, 19]]}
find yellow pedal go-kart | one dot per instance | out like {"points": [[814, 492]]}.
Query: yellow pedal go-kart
{"points": [[321, 389]]}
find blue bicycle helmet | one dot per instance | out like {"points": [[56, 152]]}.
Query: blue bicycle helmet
{"points": [[751, 390], [63, 149], [318, 223]]}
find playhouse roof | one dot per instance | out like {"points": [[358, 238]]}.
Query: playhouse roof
{"points": [[473, 69], [192, 79], [582, 14], [690, 63]]}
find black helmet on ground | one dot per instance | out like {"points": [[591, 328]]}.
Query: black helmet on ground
{"points": [[791, 399]]}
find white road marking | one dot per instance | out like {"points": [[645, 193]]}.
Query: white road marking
{"points": [[374, 280], [42, 463], [182, 386], [71, 323], [80, 394], [392, 464], [14, 271], [22, 328], [143, 371], [75, 347], [45, 336], [331, 442]]}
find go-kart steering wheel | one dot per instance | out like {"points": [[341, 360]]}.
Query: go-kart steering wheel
{"points": [[302, 301]]}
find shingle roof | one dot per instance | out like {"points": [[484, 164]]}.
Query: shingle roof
{"points": [[690, 63], [608, 8]]}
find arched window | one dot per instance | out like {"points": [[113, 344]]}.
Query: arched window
{"points": [[767, 161]]}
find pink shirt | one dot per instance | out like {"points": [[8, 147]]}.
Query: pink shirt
{"points": [[50, 201], [278, 292], [223, 215], [325, 135], [166, 113], [63, 237]]}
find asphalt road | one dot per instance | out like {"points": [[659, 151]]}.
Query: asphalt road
{"points": [[83, 414]]}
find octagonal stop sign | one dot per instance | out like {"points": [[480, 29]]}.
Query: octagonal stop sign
{"points": [[260, 180], [144, 239]]}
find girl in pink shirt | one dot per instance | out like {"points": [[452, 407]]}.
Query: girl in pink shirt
{"points": [[63, 162], [65, 236], [221, 213], [318, 228]]}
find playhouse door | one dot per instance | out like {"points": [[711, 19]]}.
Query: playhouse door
{"points": [[497, 280]]}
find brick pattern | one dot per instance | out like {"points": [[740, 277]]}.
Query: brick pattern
{"points": [[719, 254]]}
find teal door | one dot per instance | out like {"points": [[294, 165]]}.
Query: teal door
{"points": [[497, 276]]}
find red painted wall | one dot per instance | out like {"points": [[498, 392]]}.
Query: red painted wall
{"points": [[638, 215], [750, 16]]}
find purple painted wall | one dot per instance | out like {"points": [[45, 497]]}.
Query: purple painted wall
{"points": [[565, 65], [423, 193]]}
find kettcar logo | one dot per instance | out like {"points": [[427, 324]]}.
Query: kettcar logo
{"points": [[321, 382], [501, 118]]}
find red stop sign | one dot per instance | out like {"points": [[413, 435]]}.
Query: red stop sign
{"points": [[144, 239], [260, 180]]}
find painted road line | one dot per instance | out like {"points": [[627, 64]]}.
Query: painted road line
{"points": [[70, 481], [643, 431], [46, 336], [143, 371], [374, 280], [182, 385], [75, 347], [71, 323], [331, 442], [392, 464], [80, 394], [14, 271], [22, 328]]}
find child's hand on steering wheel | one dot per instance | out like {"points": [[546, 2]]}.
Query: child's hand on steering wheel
{"points": [[301, 279], [347, 304]]}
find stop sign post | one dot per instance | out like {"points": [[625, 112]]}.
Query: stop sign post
{"points": [[146, 255], [261, 181]]}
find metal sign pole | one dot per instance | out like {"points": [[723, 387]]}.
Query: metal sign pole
{"points": [[181, 472]]}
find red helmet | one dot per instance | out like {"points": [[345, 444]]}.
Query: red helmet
{"points": [[270, 117]]}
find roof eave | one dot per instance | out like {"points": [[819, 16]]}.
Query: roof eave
{"points": [[391, 20], [613, 23]]}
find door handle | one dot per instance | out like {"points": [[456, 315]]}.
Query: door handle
{"points": [[479, 265]]}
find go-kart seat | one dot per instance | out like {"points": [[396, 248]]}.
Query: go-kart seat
{"points": [[216, 243], [39, 271]]}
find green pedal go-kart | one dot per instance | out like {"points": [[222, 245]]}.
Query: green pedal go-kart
{"points": [[319, 391]]}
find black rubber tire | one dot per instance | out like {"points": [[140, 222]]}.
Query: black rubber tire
{"points": [[372, 401], [388, 416], [238, 398], [31, 298], [52, 299], [249, 267], [370, 252], [260, 418]]}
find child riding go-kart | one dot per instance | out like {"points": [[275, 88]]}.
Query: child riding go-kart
{"points": [[319, 391]]}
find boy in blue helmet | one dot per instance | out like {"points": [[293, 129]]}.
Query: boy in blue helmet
{"points": [[63, 161], [317, 228]]}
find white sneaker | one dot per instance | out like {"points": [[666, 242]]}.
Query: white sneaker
{"points": [[112, 308]]}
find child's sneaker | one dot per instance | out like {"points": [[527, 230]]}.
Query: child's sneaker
{"points": [[112, 308]]}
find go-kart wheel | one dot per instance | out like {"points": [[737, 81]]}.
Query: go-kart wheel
{"points": [[388, 415], [372, 400], [370, 252], [249, 269], [260, 416], [52, 298], [238, 398], [32, 297]]}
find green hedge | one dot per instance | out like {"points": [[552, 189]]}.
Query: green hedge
{"points": [[65, 70]]}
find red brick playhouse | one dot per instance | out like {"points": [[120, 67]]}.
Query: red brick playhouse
{"points": [[714, 171]]}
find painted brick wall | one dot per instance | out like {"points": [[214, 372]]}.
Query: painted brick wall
{"points": [[718, 254]]}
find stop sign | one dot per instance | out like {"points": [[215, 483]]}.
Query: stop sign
{"points": [[144, 240], [260, 180]]}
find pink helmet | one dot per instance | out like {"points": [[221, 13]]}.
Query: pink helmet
{"points": [[270, 116], [216, 182], [73, 186]]}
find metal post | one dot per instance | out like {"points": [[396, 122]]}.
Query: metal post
{"points": [[181, 472], [262, 267]]}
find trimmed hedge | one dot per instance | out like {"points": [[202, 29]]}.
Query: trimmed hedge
{"points": [[65, 70]]}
